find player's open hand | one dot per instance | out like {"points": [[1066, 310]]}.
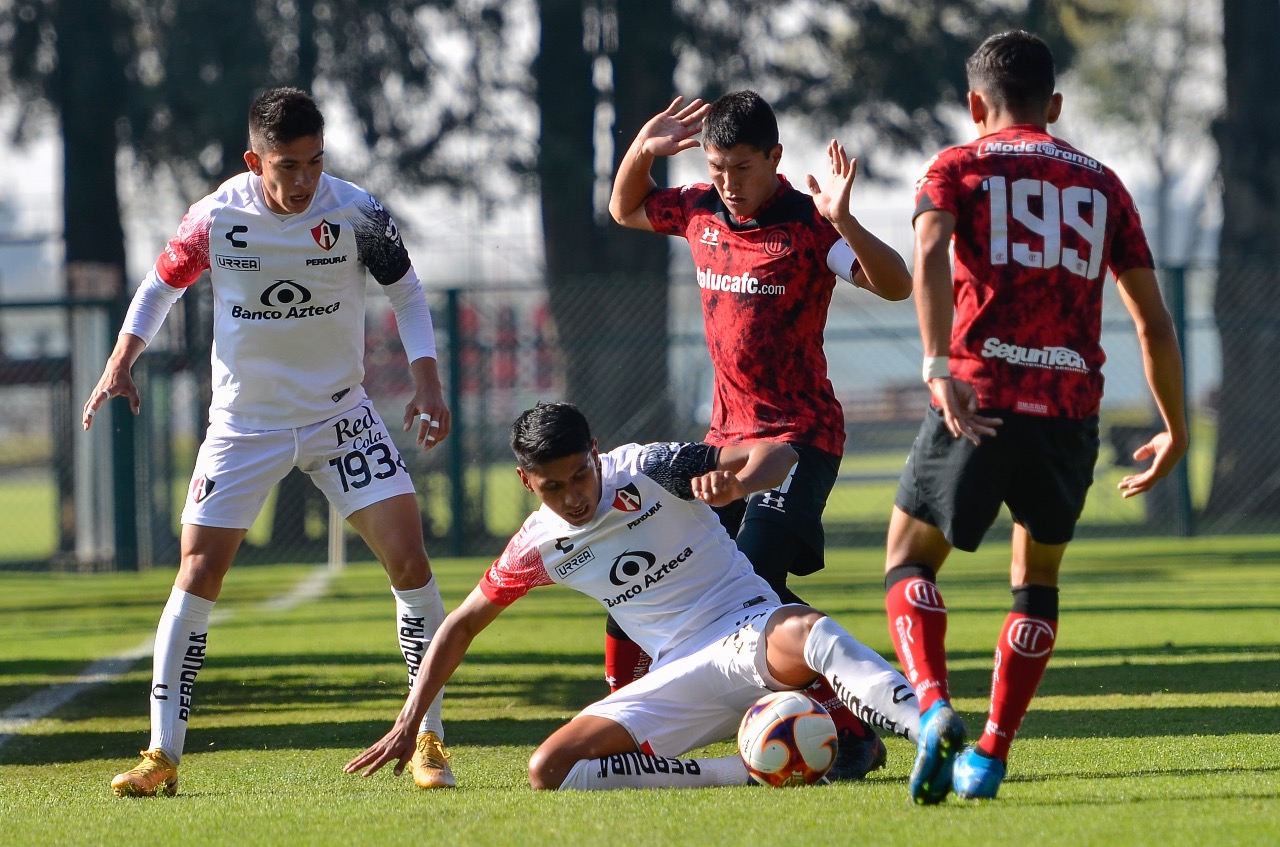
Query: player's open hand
{"points": [[396, 746], [959, 404], [114, 383], [832, 199], [718, 488], [673, 129], [431, 416], [1164, 452]]}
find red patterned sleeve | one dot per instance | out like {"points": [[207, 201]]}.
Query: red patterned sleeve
{"points": [[667, 211], [518, 570], [1129, 246], [934, 188], [186, 256]]}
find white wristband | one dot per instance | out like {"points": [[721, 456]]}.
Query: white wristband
{"points": [[936, 367]]}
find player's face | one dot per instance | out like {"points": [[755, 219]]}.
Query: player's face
{"points": [[744, 176], [290, 173], [569, 486]]}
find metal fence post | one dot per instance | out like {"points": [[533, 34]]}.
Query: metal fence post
{"points": [[1175, 291], [457, 477]]}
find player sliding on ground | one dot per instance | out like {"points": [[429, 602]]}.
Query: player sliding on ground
{"points": [[633, 528]]}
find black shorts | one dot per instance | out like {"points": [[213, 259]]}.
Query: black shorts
{"points": [[797, 504], [1041, 468]]}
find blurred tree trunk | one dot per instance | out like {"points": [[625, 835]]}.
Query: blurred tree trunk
{"points": [[615, 359], [1246, 473]]}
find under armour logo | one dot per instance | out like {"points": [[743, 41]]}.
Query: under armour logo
{"points": [[710, 235]]}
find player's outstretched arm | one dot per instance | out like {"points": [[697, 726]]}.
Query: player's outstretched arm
{"points": [[116, 379], [744, 468], [665, 134], [446, 652], [882, 271], [1162, 362]]}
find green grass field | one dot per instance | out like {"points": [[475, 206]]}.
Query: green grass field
{"points": [[1157, 723]]}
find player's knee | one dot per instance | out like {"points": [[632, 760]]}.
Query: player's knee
{"points": [[543, 773]]}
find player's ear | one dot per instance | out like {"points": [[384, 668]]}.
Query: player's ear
{"points": [[775, 156], [1055, 108], [977, 107], [524, 479], [254, 161]]}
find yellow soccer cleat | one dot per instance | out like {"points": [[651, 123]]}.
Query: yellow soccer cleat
{"points": [[155, 774], [430, 763]]}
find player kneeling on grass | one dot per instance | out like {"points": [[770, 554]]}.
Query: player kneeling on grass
{"points": [[633, 528]]}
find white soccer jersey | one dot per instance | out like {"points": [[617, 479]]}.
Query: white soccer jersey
{"points": [[289, 296], [654, 556]]}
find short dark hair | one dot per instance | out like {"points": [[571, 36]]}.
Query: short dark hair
{"points": [[282, 115], [1015, 69], [740, 117], [547, 432]]}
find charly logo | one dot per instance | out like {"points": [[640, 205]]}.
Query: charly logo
{"points": [[923, 594], [629, 565], [1031, 637], [326, 234], [564, 545], [285, 292], [234, 231]]}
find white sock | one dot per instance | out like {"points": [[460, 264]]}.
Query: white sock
{"points": [[419, 613], [181, 638], [640, 770], [864, 681]]}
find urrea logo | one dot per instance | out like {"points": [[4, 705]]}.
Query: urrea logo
{"points": [[285, 292], [629, 565]]}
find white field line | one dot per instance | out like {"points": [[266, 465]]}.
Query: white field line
{"points": [[19, 716]]}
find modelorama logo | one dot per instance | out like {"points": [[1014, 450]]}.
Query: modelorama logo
{"points": [[1037, 148], [279, 295], [743, 283], [632, 564], [1059, 358]]}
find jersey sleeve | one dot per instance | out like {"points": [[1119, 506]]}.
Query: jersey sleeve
{"points": [[517, 571], [673, 465], [186, 256], [378, 243], [1129, 246], [935, 190], [667, 210]]}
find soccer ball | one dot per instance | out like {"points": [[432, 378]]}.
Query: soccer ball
{"points": [[787, 738]]}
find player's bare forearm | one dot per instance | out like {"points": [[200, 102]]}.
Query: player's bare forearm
{"points": [[883, 272], [632, 184], [931, 281], [758, 465]]}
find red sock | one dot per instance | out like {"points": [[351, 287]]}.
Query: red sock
{"points": [[918, 628], [1022, 654], [624, 661], [841, 714]]}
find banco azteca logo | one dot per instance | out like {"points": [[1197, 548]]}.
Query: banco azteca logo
{"points": [[629, 565], [326, 234], [285, 292]]}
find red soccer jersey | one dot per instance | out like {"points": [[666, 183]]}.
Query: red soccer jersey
{"points": [[765, 292], [1038, 225]]}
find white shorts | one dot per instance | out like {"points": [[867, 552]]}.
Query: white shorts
{"points": [[699, 698], [350, 457]]}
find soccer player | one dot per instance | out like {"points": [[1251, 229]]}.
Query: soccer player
{"points": [[288, 248], [767, 256], [1014, 367], [632, 529]]}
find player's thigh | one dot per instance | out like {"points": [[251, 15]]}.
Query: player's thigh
{"points": [[696, 699], [352, 459], [235, 470], [791, 515], [953, 484], [1051, 480]]}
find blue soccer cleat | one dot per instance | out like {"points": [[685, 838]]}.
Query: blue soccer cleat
{"points": [[941, 739], [975, 776]]}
